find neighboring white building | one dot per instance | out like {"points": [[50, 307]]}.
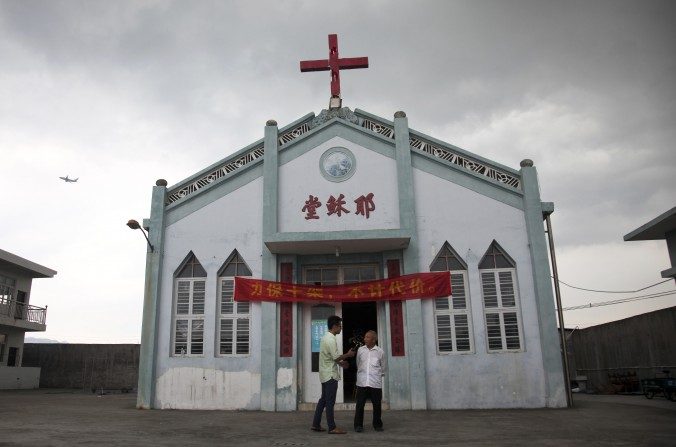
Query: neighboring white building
{"points": [[410, 204], [18, 316]]}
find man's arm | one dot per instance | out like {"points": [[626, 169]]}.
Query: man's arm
{"points": [[338, 357], [347, 355]]}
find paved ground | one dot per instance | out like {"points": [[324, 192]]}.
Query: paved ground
{"points": [[60, 418]]}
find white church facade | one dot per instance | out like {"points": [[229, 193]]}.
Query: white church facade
{"points": [[342, 198]]}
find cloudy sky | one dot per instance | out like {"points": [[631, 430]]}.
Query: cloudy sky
{"points": [[120, 94]]}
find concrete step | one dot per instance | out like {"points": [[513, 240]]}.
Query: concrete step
{"points": [[344, 406]]}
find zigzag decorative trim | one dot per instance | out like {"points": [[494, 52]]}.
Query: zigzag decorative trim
{"points": [[449, 155], [227, 168], [231, 166], [465, 162]]}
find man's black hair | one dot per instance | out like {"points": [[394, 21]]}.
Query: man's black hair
{"points": [[333, 320]]}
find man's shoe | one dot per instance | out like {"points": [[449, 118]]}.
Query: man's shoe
{"points": [[320, 428], [378, 428], [337, 431], [359, 429]]}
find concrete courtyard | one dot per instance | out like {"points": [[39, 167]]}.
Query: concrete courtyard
{"points": [[68, 418]]}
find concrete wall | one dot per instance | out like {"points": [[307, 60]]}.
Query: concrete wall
{"points": [[14, 339], [19, 378], [644, 344], [84, 366], [470, 221], [374, 173], [210, 381]]}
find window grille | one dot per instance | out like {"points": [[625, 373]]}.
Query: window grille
{"points": [[501, 300], [234, 317], [6, 289], [452, 314], [189, 301], [328, 275]]}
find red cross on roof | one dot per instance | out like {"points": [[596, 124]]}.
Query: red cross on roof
{"points": [[334, 64]]}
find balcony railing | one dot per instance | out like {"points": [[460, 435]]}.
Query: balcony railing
{"points": [[22, 311]]}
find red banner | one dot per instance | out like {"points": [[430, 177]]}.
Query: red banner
{"points": [[407, 287]]}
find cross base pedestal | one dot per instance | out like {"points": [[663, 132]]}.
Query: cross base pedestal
{"points": [[335, 102]]}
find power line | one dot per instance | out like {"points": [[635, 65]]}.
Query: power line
{"points": [[622, 300], [614, 291]]}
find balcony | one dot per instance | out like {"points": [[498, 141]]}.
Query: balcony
{"points": [[22, 315]]}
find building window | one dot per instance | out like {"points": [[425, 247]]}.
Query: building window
{"points": [[189, 296], [3, 343], [452, 314], [234, 321], [330, 275], [6, 289], [501, 300]]}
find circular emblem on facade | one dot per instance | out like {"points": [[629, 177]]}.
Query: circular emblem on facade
{"points": [[337, 164]]}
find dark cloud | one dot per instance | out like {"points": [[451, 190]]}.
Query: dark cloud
{"points": [[134, 91]]}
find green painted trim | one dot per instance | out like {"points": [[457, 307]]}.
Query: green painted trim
{"points": [[180, 209], [544, 296], [213, 166], [467, 172], [269, 271], [228, 159], [415, 345], [225, 179], [372, 117], [465, 153], [309, 236], [468, 154], [331, 259], [404, 175], [151, 297], [301, 120], [291, 152], [484, 186], [361, 136]]}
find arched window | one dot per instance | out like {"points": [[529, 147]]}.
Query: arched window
{"points": [[452, 314], [233, 317], [189, 294], [501, 300]]}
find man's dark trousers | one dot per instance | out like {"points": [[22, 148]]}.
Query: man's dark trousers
{"points": [[376, 396], [328, 400]]}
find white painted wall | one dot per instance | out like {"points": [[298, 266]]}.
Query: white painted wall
{"points": [[211, 233], [469, 222], [301, 177]]}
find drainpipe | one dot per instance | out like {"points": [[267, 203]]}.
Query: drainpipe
{"points": [[559, 312]]}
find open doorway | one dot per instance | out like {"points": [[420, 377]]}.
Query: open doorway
{"points": [[358, 318]]}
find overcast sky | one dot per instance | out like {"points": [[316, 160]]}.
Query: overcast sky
{"points": [[120, 94]]}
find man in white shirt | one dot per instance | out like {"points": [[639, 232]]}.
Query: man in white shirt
{"points": [[370, 369]]}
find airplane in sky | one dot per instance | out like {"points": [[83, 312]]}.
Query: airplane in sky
{"points": [[69, 180]]}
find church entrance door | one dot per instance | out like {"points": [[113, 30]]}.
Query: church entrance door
{"points": [[357, 319]]}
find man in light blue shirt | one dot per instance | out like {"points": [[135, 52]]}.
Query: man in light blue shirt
{"points": [[330, 362]]}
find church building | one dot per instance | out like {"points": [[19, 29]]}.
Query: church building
{"points": [[346, 197]]}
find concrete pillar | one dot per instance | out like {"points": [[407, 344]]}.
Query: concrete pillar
{"points": [[146, 377], [555, 393], [269, 333], [415, 349]]}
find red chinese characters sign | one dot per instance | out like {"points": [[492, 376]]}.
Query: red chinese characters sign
{"points": [[364, 206], [407, 287]]}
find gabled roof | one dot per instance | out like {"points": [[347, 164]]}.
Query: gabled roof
{"points": [[34, 270], [425, 146]]}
